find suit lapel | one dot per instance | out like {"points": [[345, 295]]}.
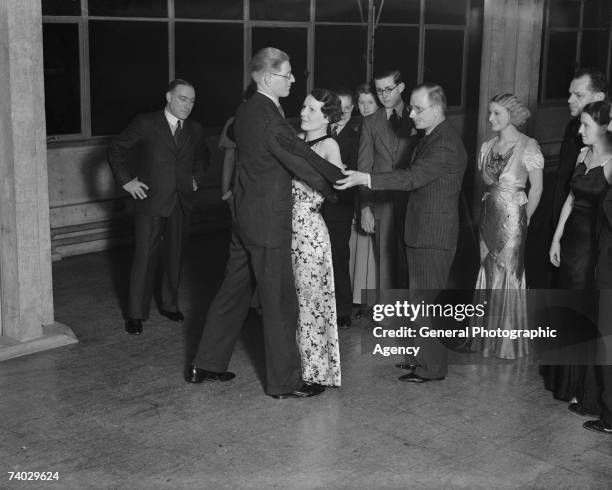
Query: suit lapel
{"points": [[385, 136]]}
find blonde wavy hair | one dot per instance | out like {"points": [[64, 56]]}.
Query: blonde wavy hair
{"points": [[515, 107]]}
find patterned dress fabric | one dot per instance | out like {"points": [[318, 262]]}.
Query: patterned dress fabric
{"points": [[503, 230], [317, 332]]}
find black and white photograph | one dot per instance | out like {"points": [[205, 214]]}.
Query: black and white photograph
{"points": [[306, 244]]}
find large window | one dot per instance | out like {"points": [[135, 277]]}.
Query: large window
{"points": [[108, 60], [576, 34]]}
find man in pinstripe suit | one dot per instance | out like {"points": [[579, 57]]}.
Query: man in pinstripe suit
{"points": [[434, 178]]}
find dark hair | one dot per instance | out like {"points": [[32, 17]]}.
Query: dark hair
{"points": [[332, 107], [176, 82], [389, 72], [435, 92], [344, 92], [599, 111], [366, 88], [599, 82]]}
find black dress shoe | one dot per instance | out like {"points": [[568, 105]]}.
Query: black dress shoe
{"points": [[407, 367], [196, 375], [344, 322], [304, 391], [597, 426], [175, 316], [133, 326], [580, 410], [415, 378]]}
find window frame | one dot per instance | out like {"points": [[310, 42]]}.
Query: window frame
{"points": [[83, 22], [579, 30]]}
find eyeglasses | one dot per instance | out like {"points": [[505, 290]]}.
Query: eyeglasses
{"points": [[386, 90], [288, 76], [417, 109]]}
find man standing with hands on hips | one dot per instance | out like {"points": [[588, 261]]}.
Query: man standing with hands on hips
{"points": [[172, 159]]}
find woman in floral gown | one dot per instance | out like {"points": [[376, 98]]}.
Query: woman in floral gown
{"points": [[317, 332]]}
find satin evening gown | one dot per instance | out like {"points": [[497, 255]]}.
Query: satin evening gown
{"points": [[503, 230], [577, 272]]}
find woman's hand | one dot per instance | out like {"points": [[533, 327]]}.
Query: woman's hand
{"points": [[555, 254]]}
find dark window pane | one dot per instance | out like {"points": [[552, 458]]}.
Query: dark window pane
{"points": [[597, 13], [400, 11], [341, 11], [594, 49], [561, 64], [444, 61], [208, 9], [280, 9], [445, 12], [292, 40], [218, 83], [340, 56], [398, 47], [564, 13], [129, 8], [61, 7], [62, 83], [128, 69]]}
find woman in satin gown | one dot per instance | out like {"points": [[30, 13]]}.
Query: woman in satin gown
{"points": [[317, 332], [363, 261], [574, 252], [507, 162]]}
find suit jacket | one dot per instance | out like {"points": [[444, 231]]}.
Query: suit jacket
{"points": [[269, 155], [165, 167], [570, 148], [382, 150], [435, 177], [344, 209]]}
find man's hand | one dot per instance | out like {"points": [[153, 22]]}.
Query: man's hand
{"points": [[194, 184], [368, 223], [136, 188], [353, 178]]}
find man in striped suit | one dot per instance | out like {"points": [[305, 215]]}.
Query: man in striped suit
{"points": [[434, 178]]}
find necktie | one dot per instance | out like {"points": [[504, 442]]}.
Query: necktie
{"points": [[178, 131], [280, 109], [395, 121]]}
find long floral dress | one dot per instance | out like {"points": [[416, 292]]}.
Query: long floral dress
{"points": [[317, 332]]}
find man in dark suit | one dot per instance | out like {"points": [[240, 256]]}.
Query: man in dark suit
{"points": [[339, 216], [387, 143], [173, 158], [260, 250], [434, 178]]}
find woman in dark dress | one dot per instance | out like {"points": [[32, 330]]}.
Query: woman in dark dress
{"points": [[574, 251]]}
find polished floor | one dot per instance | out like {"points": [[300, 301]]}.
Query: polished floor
{"points": [[114, 412]]}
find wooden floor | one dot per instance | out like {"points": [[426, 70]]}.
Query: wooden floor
{"points": [[114, 412]]}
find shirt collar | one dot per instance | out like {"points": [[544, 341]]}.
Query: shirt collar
{"points": [[399, 109], [172, 120]]}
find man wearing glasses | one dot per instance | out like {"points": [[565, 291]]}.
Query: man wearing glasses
{"points": [[260, 249], [434, 178], [387, 142]]}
